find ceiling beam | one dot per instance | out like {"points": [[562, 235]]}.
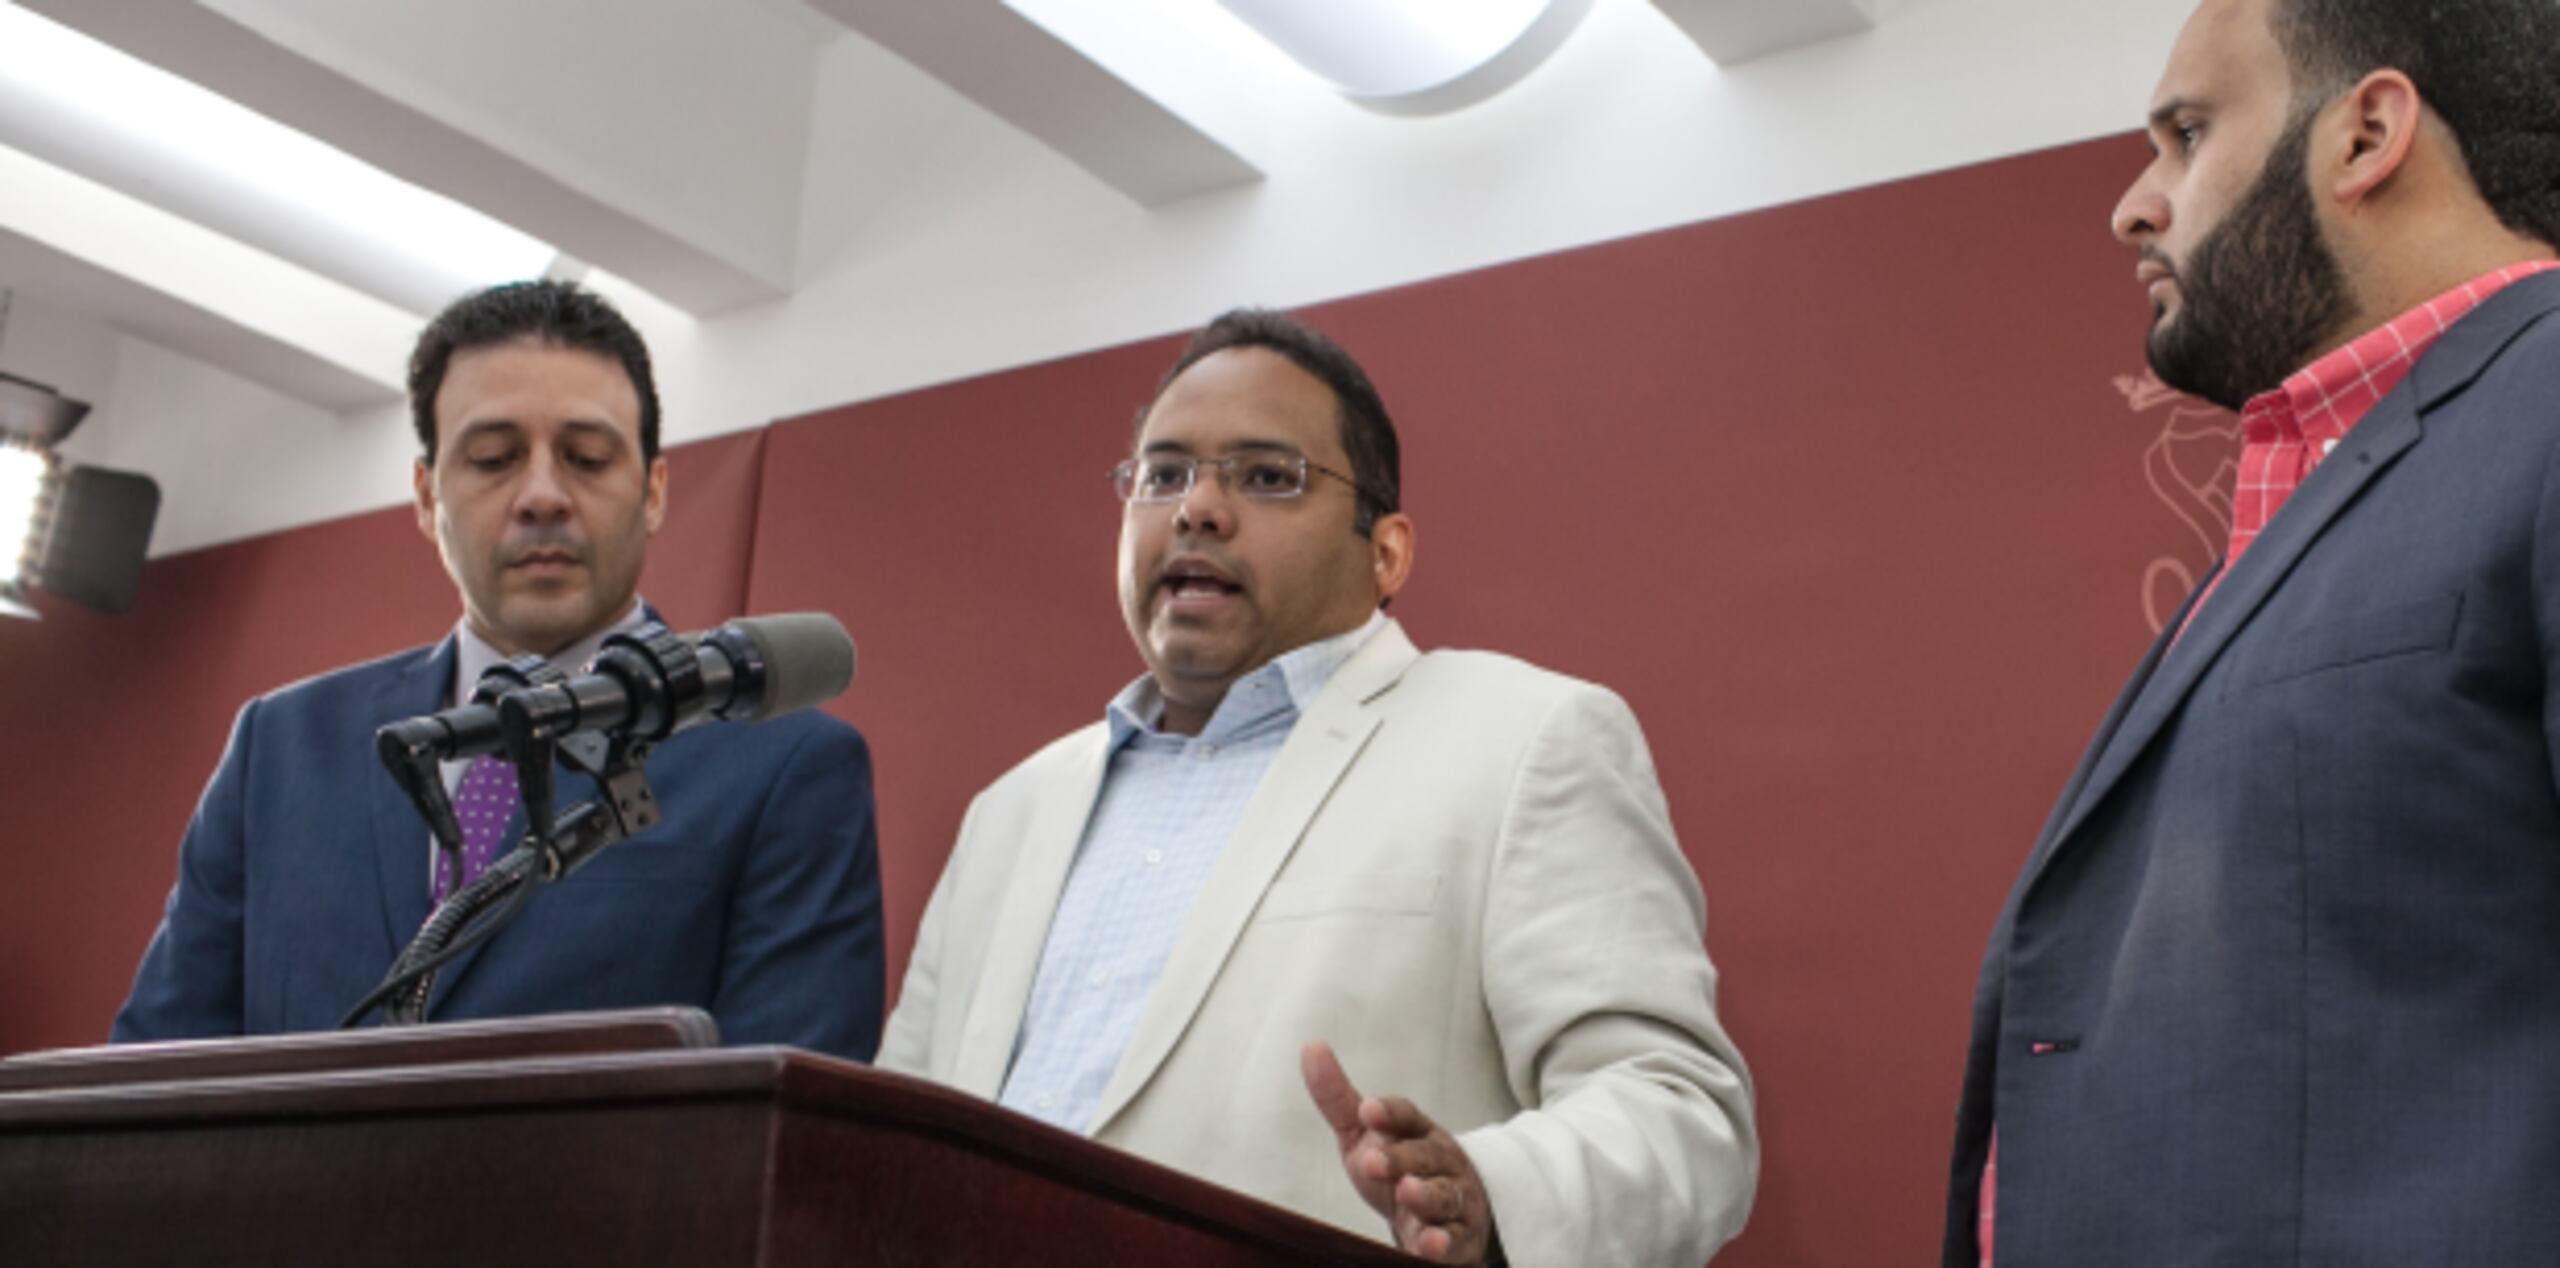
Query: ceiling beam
{"points": [[1735, 31], [315, 91], [1039, 83], [157, 278]]}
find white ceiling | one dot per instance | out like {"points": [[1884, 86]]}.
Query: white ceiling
{"points": [[785, 185]]}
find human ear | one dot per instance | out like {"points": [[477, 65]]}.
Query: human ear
{"points": [[2377, 124]]}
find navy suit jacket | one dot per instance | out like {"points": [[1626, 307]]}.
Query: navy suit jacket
{"points": [[2280, 983], [305, 870]]}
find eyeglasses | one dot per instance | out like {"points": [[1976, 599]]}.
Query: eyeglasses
{"points": [[1264, 477]]}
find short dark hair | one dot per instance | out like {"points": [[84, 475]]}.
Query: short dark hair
{"points": [[2489, 68], [1368, 435], [560, 313]]}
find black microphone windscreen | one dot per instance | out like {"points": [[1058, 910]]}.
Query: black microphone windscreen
{"points": [[808, 659]]}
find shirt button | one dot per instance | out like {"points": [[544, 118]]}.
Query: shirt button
{"points": [[1100, 977], [2328, 447], [1047, 1102], [1155, 857], [1208, 750]]}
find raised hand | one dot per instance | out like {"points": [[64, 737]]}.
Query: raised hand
{"points": [[1403, 1165]]}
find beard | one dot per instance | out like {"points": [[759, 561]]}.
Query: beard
{"points": [[2260, 295]]}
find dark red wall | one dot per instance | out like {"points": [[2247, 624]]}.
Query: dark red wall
{"points": [[1845, 497]]}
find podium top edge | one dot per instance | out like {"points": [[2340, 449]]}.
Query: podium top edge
{"points": [[442, 1043]]}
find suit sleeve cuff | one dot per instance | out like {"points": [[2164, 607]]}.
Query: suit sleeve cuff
{"points": [[1517, 1192]]}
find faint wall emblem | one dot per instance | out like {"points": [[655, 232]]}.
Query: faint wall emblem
{"points": [[2189, 466]]}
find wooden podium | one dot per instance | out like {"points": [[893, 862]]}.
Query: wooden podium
{"points": [[607, 1138]]}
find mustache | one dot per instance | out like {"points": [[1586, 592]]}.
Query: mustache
{"points": [[551, 538]]}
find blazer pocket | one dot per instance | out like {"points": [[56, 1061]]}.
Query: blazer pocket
{"points": [[1376, 894], [2406, 628]]}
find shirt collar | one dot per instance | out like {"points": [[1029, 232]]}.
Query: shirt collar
{"points": [[2320, 403], [1284, 686], [473, 656]]}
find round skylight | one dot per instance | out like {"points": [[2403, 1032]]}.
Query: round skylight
{"points": [[1420, 56]]}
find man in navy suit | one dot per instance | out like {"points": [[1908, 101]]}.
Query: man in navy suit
{"points": [[305, 870], [2280, 982]]}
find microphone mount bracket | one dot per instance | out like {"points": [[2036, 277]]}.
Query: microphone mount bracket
{"points": [[477, 911]]}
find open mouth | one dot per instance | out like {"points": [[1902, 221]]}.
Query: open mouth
{"points": [[1188, 581]]}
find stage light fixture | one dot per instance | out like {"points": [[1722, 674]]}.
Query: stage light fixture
{"points": [[78, 533], [26, 481]]}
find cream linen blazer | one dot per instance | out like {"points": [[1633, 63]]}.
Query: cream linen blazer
{"points": [[1460, 871]]}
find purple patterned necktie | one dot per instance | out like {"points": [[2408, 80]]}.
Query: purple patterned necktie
{"points": [[484, 801]]}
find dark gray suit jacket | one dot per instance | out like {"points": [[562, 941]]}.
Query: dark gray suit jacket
{"points": [[2280, 983]]}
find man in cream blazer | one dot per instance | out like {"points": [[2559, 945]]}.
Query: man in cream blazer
{"points": [[1449, 874]]}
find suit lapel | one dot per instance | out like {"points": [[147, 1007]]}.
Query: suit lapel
{"points": [[1054, 827], [2126, 698], [2388, 432], [1319, 750], [2368, 451], [400, 849], [2381, 439], [2376, 443]]}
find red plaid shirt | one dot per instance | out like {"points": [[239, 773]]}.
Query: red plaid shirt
{"points": [[2284, 434]]}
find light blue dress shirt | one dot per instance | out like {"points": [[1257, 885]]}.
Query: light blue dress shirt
{"points": [[1167, 806]]}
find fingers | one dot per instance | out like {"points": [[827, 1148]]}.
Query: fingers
{"points": [[1442, 1219], [1403, 1164], [1394, 1116], [1432, 1201], [1432, 1243], [1393, 1139], [1434, 1155], [1398, 1140], [1330, 1088]]}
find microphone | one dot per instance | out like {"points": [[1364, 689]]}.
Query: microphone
{"points": [[641, 688], [647, 685], [650, 684]]}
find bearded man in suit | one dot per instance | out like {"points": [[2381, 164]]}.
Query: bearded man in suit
{"points": [[2280, 983]]}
